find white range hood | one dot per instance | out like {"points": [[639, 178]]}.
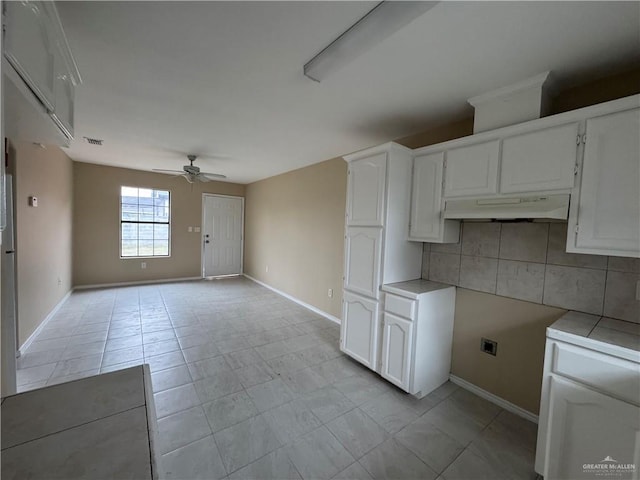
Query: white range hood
{"points": [[506, 208]]}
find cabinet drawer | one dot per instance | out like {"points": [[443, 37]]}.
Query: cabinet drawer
{"points": [[403, 307], [611, 375]]}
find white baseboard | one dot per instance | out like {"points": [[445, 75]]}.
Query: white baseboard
{"points": [[501, 402], [139, 282], [51, 314], [296, 300]]}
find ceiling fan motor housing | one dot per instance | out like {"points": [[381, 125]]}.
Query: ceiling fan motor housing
{"points": [[192, 169]]}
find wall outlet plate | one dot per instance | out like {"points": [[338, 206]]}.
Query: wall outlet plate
{"points": [[489, 346]]}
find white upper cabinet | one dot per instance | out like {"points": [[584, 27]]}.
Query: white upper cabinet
{"points": [[541, 160], [40, 73], [427, 224], [29, 46], [472, 170], [366, 191], [64, 94], [607, 218], [363, 250]]}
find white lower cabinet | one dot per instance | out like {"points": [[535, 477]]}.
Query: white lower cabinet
{"points": [[586, 427], [417, 335], [396, 350], [359, 331], [589, 412]]}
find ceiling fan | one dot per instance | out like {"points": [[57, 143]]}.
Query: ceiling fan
{"points": [[191, 173]]}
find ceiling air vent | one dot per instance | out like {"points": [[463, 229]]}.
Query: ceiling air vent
{"points": [[93, 141]]}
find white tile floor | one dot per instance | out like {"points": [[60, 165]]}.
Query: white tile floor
{"points": [[249, 385]]}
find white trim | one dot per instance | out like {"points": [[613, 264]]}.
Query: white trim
{"points": [[204, 195], [367, 152], [139, 282], [499, 93], [296, 300], [51, 314], [579, 115], [501, 402]]}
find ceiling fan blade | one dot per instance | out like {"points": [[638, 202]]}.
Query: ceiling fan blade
{"points": [[202, 178], [214, 175], [160, 170]]}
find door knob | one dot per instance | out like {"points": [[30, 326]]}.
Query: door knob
{"points": [[206, 241]]}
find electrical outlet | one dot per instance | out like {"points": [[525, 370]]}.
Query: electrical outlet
{"points": [[189, 229], [330, 293], [196, 229], [59, 281], [143, 265], [489, 346]]}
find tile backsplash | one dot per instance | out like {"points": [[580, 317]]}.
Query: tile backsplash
{"points": [[527, 261]]}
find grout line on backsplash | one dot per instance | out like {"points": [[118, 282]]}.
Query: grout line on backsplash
{"points": [[604, 292]]}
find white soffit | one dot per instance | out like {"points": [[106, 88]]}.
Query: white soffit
{"points": [[226, 78]]}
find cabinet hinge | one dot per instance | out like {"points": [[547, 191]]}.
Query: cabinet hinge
{"points": [[584, 138], [577, 228], [578, 140], [576, 169]]}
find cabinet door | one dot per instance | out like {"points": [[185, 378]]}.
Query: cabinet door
{"points": [[366, 191], [608, 214], [472, 170], [586, 427], [426, 223], [359, 329], [396, 350], [29, 47], [64, 92], [542, 160], [362, 260]]}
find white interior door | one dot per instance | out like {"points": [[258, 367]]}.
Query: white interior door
{"points": [[222, 235]]}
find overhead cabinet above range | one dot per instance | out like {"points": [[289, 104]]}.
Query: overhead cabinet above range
{"points": [[591, 154], [535, 161]]}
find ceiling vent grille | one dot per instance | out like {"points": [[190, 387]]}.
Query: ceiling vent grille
{"points": [[94, 141]]}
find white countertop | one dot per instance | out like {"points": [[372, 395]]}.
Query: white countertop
{"points": [[99, 427], [413, 288], [609, 335]]}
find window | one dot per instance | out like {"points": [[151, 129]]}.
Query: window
{"points": [[145, 216]]}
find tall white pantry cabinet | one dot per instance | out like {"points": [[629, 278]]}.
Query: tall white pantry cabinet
{"points": [[376, 247]]}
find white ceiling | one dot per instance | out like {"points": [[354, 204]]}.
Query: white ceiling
{"points": [[225, 78]]}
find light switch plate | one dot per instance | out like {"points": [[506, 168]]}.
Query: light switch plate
{"points": [[189, 229], [196, 229]]}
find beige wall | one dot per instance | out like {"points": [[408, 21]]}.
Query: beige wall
{"points": [[43, 233], [518, 327], [96, 222], [294, 224]]}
